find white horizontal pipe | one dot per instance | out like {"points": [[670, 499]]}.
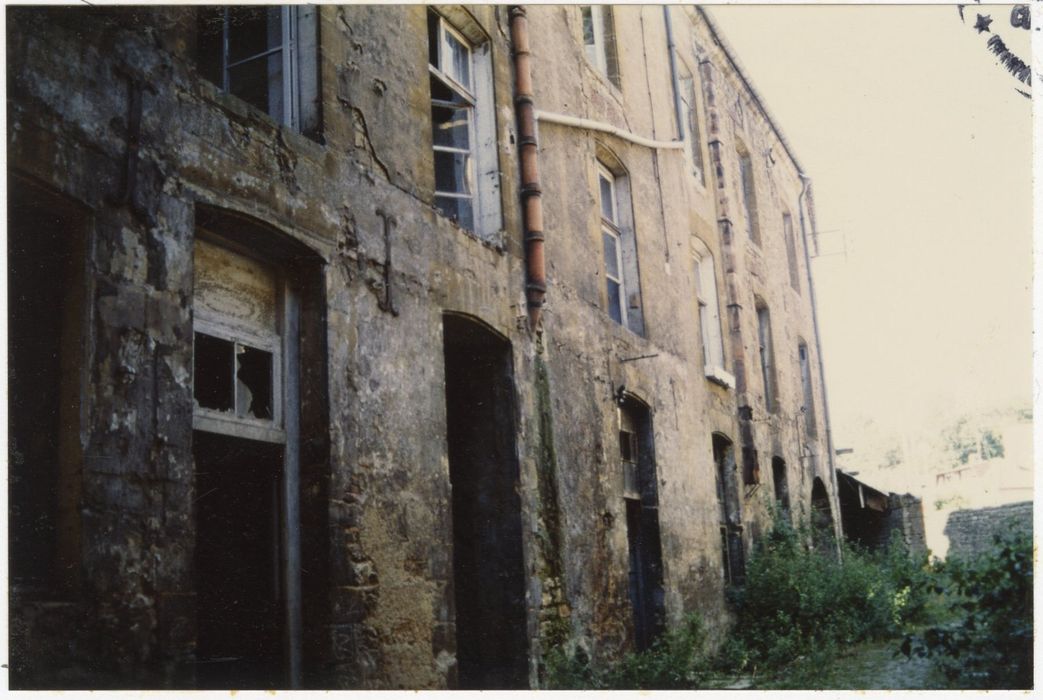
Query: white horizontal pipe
{"points": [[565, 120]]}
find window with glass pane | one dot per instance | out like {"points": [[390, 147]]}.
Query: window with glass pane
{"points": [[452, 121], [709, 316], [611, 244], [749, 196], [244, 51], [599, 40]]}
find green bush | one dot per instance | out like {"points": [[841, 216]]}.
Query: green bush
{"points": [[798, 600], [676, 660], [988, 643]]}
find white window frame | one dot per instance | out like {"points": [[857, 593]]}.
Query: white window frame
{"points": [[229, 422], [290, 88], [482, 177], [442, 73], [596, 51], [610, 228], [709, 317]]}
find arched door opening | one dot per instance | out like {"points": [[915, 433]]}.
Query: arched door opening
{"points": [[488, 564], [641, 495]]}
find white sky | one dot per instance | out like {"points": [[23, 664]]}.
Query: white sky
{"points": [[920, 151]]}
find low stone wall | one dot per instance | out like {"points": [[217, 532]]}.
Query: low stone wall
{"points": [[970, 532]]}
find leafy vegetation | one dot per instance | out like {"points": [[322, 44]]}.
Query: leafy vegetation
{"points": [[801, 602], [677, 660], [988, 641], [808, 618]]}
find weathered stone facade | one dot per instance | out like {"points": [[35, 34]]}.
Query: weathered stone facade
{"points": [[121, 156]]}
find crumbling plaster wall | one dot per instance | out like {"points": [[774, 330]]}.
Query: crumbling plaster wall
{"points": [[385, 612], [585, 347], [388, 619]]}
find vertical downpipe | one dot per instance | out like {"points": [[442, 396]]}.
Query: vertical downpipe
{"points": [[801, 203], [528, 150], [672, 51]]}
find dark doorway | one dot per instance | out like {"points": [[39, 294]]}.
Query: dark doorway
{"points": [[642, 505], [238, 562], [733, 558], [822, 531], [47, 292], [488, 565], [778, 477]]}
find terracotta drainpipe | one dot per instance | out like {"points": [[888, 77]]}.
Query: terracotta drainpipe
{"points": [[528, 151]]}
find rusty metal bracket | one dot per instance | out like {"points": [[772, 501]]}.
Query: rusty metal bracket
{"points": [[388, 304], [125, 197]]}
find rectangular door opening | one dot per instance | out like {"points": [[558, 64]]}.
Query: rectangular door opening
{"points": [[238, 562], [488, 567]]}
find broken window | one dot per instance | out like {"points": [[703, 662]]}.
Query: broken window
{"points": [[253, 322], [691, 111], [767, 355], [463, 131], [266, 56], [749, 194], [791, 252], [238, 345], [599, 40]]}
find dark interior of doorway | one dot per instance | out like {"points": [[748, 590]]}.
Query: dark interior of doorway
{"points": [[47, 292], [647, 597], [238, 563], [488, 568]]}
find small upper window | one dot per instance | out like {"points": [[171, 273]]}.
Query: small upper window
{"points": [[599, 40], [463, 129], [749, 195], [791, 251], [808, 409], [691, 111], [767, 355], [710, 319], [266, 56]]}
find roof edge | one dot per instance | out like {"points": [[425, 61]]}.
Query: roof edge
{"points": [[726, 48]]}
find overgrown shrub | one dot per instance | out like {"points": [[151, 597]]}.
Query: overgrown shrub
{"points": [[677, 660], [799, 600], [988, 643]]}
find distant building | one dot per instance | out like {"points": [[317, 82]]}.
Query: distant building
{"points": [[393, 346], [871, 518]]}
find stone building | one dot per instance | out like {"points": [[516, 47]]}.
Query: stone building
{"points": [[872, 518], [377, 347]]}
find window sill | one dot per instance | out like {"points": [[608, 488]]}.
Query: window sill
{"points": [[211, 421], [718, 375], [615, 90], [249, 115]]}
